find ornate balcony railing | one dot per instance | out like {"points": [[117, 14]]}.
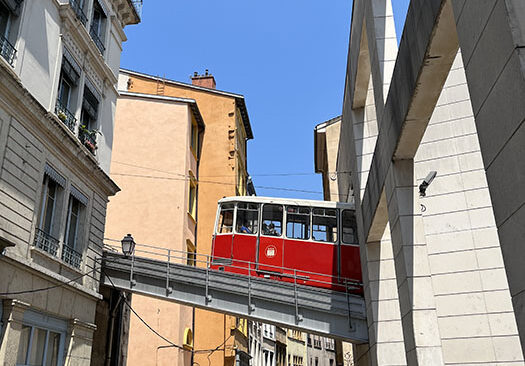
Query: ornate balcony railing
{"points": [[71, 256], [46, 242], [88, 139], [94, 36], [65, 116], [7, 50], [76, 5], [137, 4]]}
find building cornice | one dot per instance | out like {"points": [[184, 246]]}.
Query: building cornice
{"points": [[52, 132], [239, 99]]}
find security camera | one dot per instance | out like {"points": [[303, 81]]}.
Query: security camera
{"points": [[426, 182]]}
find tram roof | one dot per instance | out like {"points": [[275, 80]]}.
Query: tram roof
{"points": [[288, 201]]}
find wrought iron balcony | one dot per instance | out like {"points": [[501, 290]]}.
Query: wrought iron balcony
{"points": [[88, 139], [65, 116], [137, 4], [95, 37], [46, 242], [7, 50], [71, 256], [76, 5]]}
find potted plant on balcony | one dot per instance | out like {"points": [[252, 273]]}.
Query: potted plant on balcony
{"points": [[88, 138], [62, 116]]}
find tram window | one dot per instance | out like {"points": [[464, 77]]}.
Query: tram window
{"points": [[247, 218], [226, 219], [298, 222], [272, 220], [349, 227], [324, 224]]}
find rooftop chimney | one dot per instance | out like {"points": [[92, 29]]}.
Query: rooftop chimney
{"points": [[207, 80]]}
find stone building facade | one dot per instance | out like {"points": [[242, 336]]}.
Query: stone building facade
{"points": [[440, 261], [58, 75]]}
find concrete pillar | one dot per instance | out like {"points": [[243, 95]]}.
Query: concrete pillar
{"points": [[13, 314], [416, 295], [382, 44], [79, 343]]}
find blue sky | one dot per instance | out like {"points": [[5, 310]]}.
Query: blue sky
{"points": [[288, 58]]}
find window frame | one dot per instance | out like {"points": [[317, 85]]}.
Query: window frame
{"points": [[356, 238], [218, 219], [309, 238], [283, 220], [49, 324], [44, 203], [194, 137], [337, 225], [191, 253], [259, 215], [69, 213], [192, 197]]}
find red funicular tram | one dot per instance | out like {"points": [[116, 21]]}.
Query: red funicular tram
{"points": [[310, 242]]}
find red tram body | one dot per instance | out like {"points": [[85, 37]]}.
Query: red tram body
{"points": [[310, 242]]}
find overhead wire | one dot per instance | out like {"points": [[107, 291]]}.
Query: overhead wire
{"points": [[200, 181], [230, 175]]}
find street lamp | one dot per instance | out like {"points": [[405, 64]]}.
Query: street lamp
{"points": [[128, 245]]}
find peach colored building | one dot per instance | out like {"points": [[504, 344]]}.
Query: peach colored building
{"points": [[222, 172], [155, 162]]}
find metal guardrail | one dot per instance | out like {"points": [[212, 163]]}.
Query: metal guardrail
{"points": [[76, 5], [89, 141], [137, 4], [46, 242], [65, 116], [98, 42], [162, 272], [7, 50], [71, 256]]}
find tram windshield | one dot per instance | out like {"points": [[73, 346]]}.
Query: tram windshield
{"points": [[272, 220], [247, 218]]}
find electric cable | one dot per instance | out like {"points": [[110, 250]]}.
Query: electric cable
{"points": [[230, 175], [228, 184], [47, 288]]}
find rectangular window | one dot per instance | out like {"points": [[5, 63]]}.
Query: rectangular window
{"points": [[98, 27], [192, 199], [225, 224], [324, 225], [49, 201], [272, 220], [72, 251], [46, 229], [190, 251], [38, 346], [298, 222], [349, 227], [9, 21], [194, 136], [247, 218]]}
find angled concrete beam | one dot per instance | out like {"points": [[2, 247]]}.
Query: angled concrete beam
{"points": [[424, 58]]}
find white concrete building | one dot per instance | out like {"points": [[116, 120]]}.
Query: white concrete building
{"points": [[262, 344], [58, 74], [440, 262]]}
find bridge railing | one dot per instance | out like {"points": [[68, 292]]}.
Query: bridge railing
{"points": [[248, 268]]}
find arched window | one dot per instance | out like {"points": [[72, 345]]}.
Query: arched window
{"points": [[188, 339]]}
